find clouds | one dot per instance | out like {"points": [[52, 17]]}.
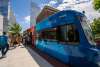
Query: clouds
{"points": [[69, 4], [27, 18], [69, 1], [64, 6], [49, 3], [23, 21], [52, 3], [89, 10], [22, 18], [80, 5]]}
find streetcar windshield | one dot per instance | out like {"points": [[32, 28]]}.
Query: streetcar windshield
{"points": [[87, 30]]}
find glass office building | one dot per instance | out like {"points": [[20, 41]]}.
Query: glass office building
{"points": [[4, 12]]}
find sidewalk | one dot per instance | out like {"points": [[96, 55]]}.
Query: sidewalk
{"points": [[20, 57]]}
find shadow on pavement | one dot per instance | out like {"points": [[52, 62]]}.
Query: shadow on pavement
{"points": [[38, 59]]}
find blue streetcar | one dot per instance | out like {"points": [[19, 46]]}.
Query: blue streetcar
{"points": [[67, 37]]}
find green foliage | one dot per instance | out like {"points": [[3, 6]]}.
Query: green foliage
{"points": [[96, 4], [96, 26], [15, 28]]}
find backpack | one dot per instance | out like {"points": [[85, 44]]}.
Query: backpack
{"points": [[3, 41]]}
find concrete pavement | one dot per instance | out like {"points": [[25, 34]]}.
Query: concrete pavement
{"points": [[21, 57]]}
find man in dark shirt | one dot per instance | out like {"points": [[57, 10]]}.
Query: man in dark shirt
{"points": [[4, 44]]}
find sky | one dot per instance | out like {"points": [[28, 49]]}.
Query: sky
{"points": [[21, 8]]}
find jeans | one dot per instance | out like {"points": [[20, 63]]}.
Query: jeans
{"points": [[4, 49]]}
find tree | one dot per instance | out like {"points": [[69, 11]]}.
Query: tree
{"points": [[15, 28], [96, 4], [96, 26]]}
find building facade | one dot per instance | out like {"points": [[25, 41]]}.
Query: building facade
{"points": [[1, 24], [11, 16], [4, 12], [35, 10], [46, 11]]}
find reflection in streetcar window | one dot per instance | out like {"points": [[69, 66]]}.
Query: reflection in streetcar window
{"points": [[66, 33], [49, 34], [70, 34], [87, 30]]}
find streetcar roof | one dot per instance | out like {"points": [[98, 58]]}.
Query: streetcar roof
{"points": [[60, 18]]}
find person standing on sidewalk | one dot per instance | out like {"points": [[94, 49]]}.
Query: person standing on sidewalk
{"points": [[4, 46]]}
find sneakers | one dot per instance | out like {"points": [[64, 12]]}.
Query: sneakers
{"points": [[2, 57]]}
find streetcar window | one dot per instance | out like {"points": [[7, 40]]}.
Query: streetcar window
{"points": [[49, 34], [87, 30], [69, 34], [66, 33]]}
